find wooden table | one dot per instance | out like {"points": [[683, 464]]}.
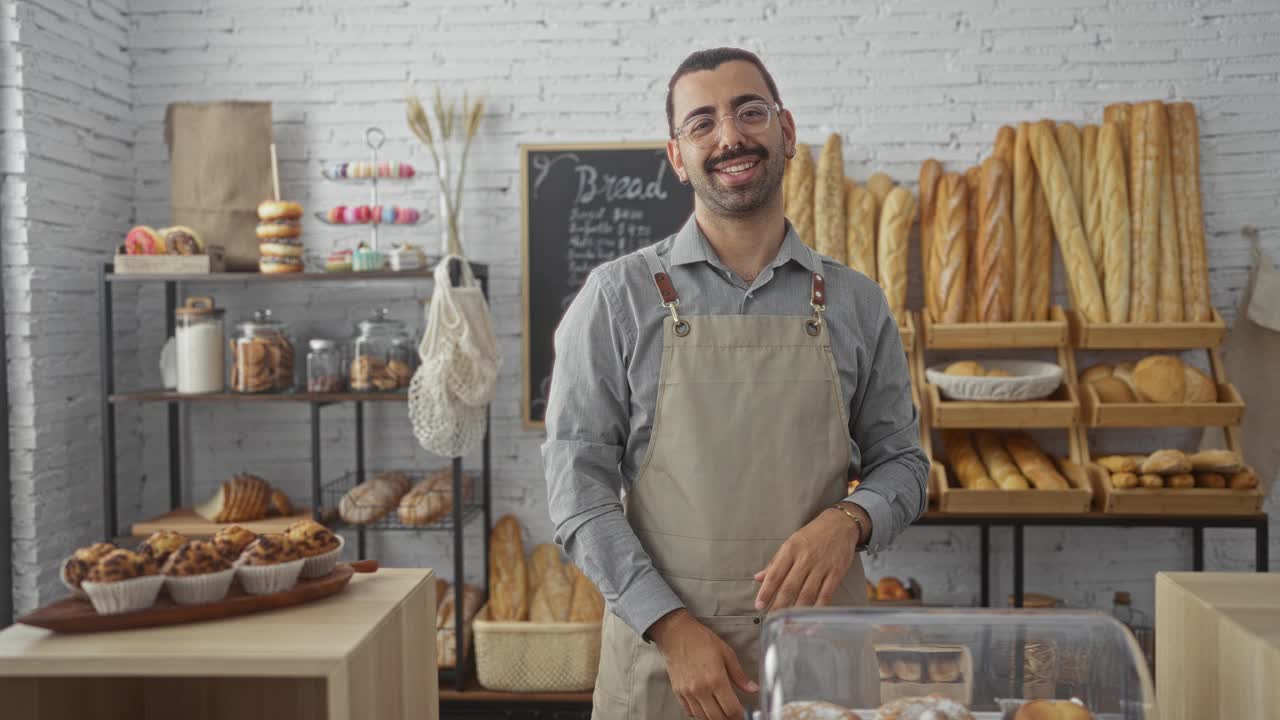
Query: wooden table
{"points": [[1217, 645], [368, 652]]}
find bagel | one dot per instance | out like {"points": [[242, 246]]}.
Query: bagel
{"points": [[280, 250], [279, 210], [279, 229]]}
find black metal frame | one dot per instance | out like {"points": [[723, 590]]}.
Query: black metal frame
{"points": [[173, 286]]}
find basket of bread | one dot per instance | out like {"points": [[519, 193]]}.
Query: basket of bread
{"points": [[540, 631], [996, 380]]}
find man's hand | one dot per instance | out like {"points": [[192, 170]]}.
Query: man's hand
{"points": [[701, 667], [809, 566]]}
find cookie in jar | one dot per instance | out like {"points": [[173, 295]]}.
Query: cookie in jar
{"points": [[381, 355], [262, 355]]}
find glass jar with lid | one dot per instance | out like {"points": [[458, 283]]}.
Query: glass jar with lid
{"points": [[262, 357], [381, 355], [198, 338], [324, 366]]}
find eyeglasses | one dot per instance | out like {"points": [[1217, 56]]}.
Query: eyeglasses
{"points": [[750, 118]]}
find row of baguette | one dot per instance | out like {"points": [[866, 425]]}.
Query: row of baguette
{"points": [[1122, 198]]}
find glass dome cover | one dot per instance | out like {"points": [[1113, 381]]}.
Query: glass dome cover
{"points": [[879, 663]]}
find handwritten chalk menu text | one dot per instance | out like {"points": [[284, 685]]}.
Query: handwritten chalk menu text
{"points": [[584, 205]]}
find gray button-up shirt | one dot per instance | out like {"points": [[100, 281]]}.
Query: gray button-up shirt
{"points": [[604, 391]]}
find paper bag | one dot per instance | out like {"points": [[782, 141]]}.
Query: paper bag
{"points": [[219, 171]]}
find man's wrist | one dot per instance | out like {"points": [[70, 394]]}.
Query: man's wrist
{"points": [[660, 628], [858, 518]]}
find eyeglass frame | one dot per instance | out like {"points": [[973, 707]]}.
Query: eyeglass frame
{"points": [[775, 109]]}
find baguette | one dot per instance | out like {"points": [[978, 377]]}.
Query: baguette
{"points": [[828, 202], [508, 573], [1121, 114], [1114, 220], [587, 604], [1144, 211], [1184, 148], [950, 256], [995, 272], [1166, 462], [1081, 278], [1041, 248], [891, 247], [1121, 463], [1070, 145], [860, 229], [999, 464], [1151, 480], [1033, 463], [930, 175], [1006, 140], [551, 601], [544, 559], [1218, 461], [1091, 202], [1169, 287], [880, 184], [1181, 480], [788, 181], [1025, 188], [968, 467], [801, 201], [1124, 480], [973, 186]]}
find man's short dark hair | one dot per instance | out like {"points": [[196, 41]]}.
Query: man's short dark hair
{"points": [[710, 60]]}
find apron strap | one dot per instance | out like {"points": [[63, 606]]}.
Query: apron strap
{"points": [[817, 296], [666, 291]]}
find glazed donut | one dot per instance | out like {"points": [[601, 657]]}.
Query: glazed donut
{"points": [[143, 240], [182, 240], [279, 210], [278, 229], [269, 249], [275, 264]]}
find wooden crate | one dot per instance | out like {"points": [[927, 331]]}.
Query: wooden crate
{"points": [[1146, 336], [907, 329], [211, 262], [1170, 501], [1229, 410], [1053, 332], [960, 691], [1060, 410], [1076, 500]]}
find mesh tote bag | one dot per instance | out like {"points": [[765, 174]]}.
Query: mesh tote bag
{"points": [[458, 374]]}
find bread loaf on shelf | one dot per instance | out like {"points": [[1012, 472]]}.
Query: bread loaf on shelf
{"points": [[1144, 208], [587, 604], [553, 596], [950, 251], [973, 187], [860, 229], [1000, 465], [1166, 462], [1226, 462], [1070, 144], [1025, 187], [828, 201], [1169, 290], [800, 204], [1003, 149], [996, 271], [1114, 219], [1091, 201], [1120, 114], [369, 501], [880, 185], [896, 217], [970, 473], [508, 573], [1034, 464], [930, 176], [1184, 146], [431, 500]]}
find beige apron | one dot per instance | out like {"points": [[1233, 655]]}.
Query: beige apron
{"points": [[750, 443]]}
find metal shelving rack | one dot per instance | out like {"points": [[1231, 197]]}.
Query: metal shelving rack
{"points": [[463, 512]]}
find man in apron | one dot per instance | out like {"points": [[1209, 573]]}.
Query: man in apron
{"points": [[730, 380]]}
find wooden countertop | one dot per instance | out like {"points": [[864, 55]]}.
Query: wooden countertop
{"points": [[303, 641]]}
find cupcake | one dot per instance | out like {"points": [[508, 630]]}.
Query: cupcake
{"points": [[269, 564], [318, 544], [198, 573], [232, 540], [161, 544], [338, 261], [77, 567], [122, 581]]}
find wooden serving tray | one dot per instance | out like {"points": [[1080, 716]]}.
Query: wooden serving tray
{"points": [[185, 520], [76, 615]]}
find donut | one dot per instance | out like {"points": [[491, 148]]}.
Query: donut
{"points": [[279, 210], [276, 264], [279, 229], [280, 249], [143, 240]]}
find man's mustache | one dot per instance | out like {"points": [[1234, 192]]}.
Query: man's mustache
{"points": [[759, 153]]}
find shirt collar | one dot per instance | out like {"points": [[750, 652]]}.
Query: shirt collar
{"points": [[691, 246]]}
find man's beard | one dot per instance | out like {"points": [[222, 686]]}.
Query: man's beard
{"points": [[727, 200]]}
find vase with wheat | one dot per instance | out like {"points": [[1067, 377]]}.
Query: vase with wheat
{"points": [[441, 141]]}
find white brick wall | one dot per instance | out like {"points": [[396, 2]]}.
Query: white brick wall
{"points": [[901, 80]]}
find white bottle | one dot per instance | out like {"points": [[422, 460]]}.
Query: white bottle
{"points": [[200, 346]]}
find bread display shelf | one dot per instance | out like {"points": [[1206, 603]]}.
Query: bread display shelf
{"points": [[1228, 411], [1146, 336], [1076, 500], [168, 396], [76, 615], [186, 521], [960, 690], [1060, 410], [1053, 332], [907, 330]]}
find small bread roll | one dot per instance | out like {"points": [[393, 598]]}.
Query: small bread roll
{"points": [[1181, 481], [907, 669], [944, 668], [1215, 461], [1151, 480], [1166, 462], [1052, 710], [1124, 480], [1215, 481], [1200, 388], [1246, 479], [1113, 390], [1160, 379], [1124, 373], [1096, 372], [965, 367], [1120, 463], [886, 667]]}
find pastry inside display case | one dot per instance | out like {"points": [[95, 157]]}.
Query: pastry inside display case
{"points": [[943, 664]]}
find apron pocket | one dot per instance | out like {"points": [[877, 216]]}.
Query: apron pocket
{"points": [[742, 633]]}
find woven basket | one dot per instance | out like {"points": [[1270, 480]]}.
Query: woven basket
{"points": [[536, 657]]}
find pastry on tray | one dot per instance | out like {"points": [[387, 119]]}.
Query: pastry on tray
{"points": [[243, 498], [161, 544], [931, 707], [269, 564], [318, 544], [817, 710], [77, 567], [123, 581], [232, 540], [197, 573]]}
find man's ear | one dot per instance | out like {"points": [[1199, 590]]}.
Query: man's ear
{"points": [[677, 162], [788, 131]]}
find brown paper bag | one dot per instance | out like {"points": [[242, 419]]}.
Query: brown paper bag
{"points": [[220, 169]]}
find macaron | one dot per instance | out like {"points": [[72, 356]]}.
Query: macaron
{"points": [[406, 170], [363, 214], [384, 169], [335, 214], [388, 214]]}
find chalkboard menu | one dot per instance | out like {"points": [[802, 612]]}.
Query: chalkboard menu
{"points": [[584, 205]]}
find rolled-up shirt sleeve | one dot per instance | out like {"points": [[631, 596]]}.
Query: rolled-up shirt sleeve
{"points": [[884, 425], [588, 421]]}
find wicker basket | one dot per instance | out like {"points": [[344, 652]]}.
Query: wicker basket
{"points": [[536, 657]]}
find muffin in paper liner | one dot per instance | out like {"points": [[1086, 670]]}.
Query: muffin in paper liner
{"points": [[198, 589], [75, 591], [122, 596], [320, 565], [267, 579]]}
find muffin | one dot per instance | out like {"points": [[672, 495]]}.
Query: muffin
{"points": [[269, 564], [77, 567], [122, 581], [198, 572], [161, 544], [232, 540], [318, 544]]}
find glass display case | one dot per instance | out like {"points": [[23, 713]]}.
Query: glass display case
{"points": [[917, 664]]}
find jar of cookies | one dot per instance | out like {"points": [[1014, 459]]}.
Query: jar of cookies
{"points": [[262, 358], [381, 355], [324, 367]]}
